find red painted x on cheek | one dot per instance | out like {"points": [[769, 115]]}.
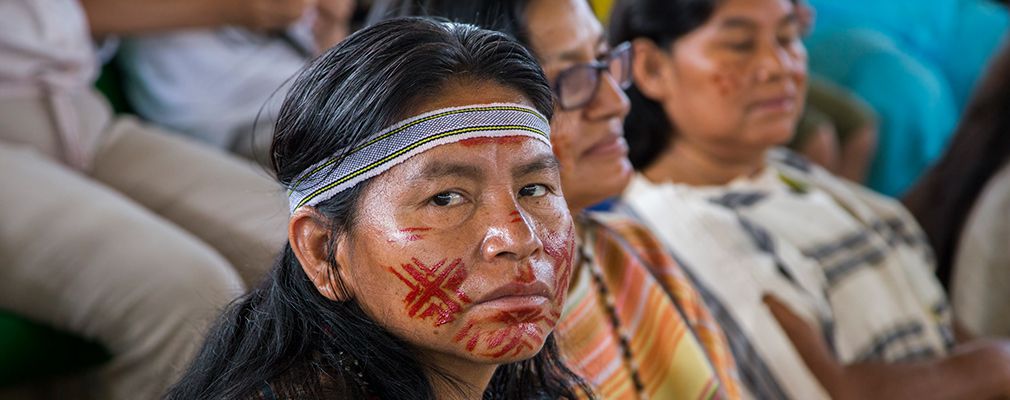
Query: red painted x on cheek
{"points": [[434, 290]]}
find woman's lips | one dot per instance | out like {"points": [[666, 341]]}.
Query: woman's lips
{"points": [[613, 145], [778, 104], [514, 294]]}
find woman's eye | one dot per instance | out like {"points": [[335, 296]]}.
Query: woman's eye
{"points": [[741, 46], [790, 34], [446, 199], [533, 190], [788, 39]]}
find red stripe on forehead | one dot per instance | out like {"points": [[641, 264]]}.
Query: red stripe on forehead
{"points": [[493, 140]]}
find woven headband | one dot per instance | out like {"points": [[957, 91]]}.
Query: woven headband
{"points": [[410, 137]]}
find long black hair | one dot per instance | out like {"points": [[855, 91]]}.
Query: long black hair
{"points": [[943, 198], [284, 335], [647, 129]]}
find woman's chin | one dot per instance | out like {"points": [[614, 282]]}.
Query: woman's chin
{"points": [[492, 358], [772, 134], [503, 342], [597, 183]]}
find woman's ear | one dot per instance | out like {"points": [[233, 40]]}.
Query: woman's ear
{"points": [[649, 68], [310, 238]]}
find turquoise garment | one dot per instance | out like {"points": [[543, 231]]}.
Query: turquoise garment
{"points": [[915, 62]]}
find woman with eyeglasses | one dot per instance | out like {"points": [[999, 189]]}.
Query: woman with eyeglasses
{"points": [[827, 287], [429, 245], [633, 325]]}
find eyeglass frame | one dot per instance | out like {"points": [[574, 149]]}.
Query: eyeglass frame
{"points": [[600, 66]]}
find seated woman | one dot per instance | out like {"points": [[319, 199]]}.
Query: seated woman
{"points": [[718, 85], [426, 258], [963, 203], [633, 325]]}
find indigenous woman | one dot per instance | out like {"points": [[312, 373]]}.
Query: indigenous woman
{"points": [[718, 85], [426, 258], [633, 325]]}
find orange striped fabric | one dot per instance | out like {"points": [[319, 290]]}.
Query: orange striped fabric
{"points": [[681, 355]]}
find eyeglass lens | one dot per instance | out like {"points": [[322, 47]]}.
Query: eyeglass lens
{"points": [[577, 85]]}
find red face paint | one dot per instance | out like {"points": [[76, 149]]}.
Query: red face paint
{"points": [[519, 330], [412, 234], [561, 248], [725, 83], [496, 140], [526, 274], [435, 290]]}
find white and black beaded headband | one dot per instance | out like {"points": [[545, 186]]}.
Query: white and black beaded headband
{"points": [[410, 137]]}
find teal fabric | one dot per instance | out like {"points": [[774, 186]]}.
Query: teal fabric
{"points": [[915, 62], [970, 44], [913, 102]]}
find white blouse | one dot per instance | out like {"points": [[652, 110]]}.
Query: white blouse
{"points": [[846, 259]]}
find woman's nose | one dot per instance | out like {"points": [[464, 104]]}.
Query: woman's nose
{"points": [[510, 235]]}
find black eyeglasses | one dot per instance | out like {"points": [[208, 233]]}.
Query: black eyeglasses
{"points": [[576, 86]]}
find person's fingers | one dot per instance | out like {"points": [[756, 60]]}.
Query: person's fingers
{"points": [[282, 13], [268, 15], [337, 9], [808, 341], [296, 8]]}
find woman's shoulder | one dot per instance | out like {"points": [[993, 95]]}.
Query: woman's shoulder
{"points": [[609, 224], [623, 231], [624, 234], [676, 206], [623, 226], [802, 174]]}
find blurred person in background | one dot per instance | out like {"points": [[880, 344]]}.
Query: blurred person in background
{"points": [[217, 70], [824, 288], [111, 229], [963, 204]]}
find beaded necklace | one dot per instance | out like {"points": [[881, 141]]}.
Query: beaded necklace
{"points": [[623, 339]]}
